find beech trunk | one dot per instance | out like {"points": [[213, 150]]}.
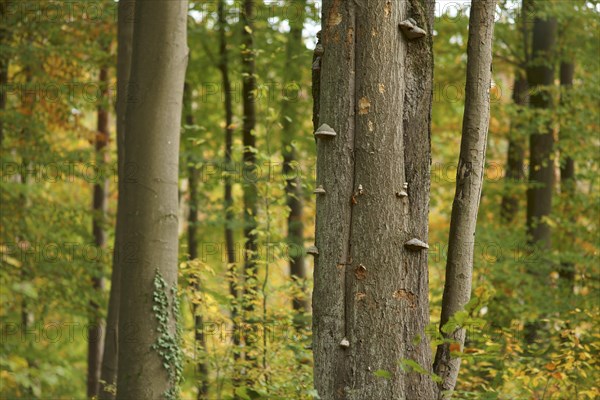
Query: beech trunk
{"points": [[108, 375], [147, 320], [540, 76]]}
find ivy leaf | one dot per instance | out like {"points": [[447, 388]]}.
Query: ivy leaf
{"points": [[382, 373]]}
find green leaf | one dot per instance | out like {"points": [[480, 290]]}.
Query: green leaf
{"points": [[382, 373]]}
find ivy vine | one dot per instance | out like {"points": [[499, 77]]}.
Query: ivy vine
{"points": [[167, 343]]}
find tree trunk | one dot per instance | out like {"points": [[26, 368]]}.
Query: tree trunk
{"points": [[149, 357], [28, 318], [100, 208], [249, 175], [110, 358], [290, 122], [515, 162], [540, 74], [469, 182], [370, 300], [4, 63], [567, 168], [192, 230], [228, 195]]}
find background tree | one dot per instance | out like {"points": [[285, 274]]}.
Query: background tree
{"points": [[47, 250], [125, 17], [515, 163], [100, 207], [290, 130], [540, 76]]}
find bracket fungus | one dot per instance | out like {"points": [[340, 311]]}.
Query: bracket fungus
{"points": [[325, 131], [411, 30], [319, 190], [317, 64], [401, 194], [312, 250], [319, 50], [416, 245], [345, 343]]}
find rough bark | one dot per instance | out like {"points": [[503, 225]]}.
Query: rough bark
{"points": [[99, 221], [108, 374], [469, 182], [515, 162], [370, 301], [567, 168], [540, 75], [147, 316], [290, 121]]}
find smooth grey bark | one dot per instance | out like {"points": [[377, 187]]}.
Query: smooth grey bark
{"points": [[469, 182], [99, 221], [370, 299], [567, 168], [108, 375], [540, 75], [152, 126], [290, 121]]}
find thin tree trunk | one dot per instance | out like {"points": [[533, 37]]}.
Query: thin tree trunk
{"points": [[192, 230], [515, 162], [228, 195], [4, 63], [27, 314], [541, 144], [469, 182], [290, 122], [249, 175], [370, 300], [108, 374], [149, 356], [100, 208], [567, 168]]}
